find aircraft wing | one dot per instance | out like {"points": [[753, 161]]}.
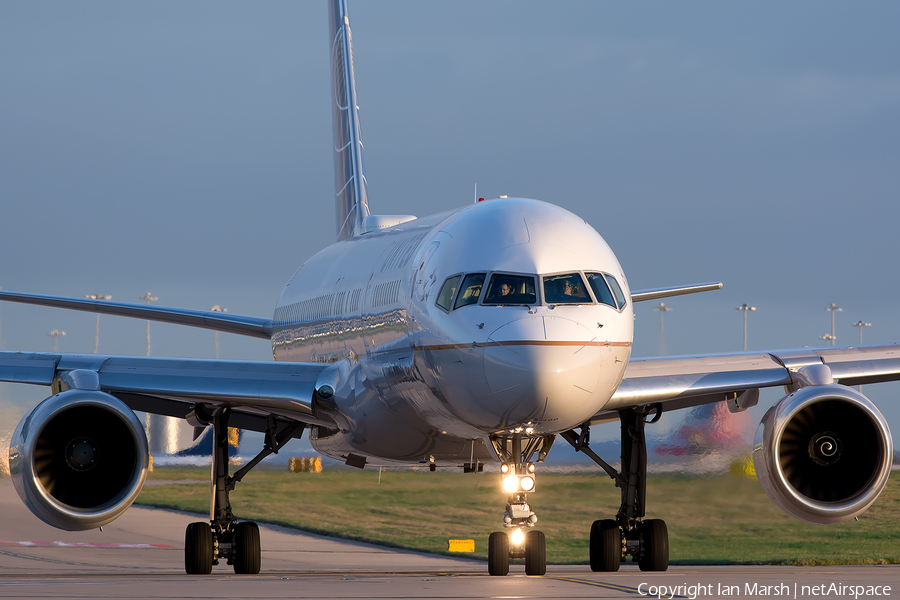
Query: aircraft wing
{"points": [[685, 381], [173, 386], [207, 319], [657, 293]]}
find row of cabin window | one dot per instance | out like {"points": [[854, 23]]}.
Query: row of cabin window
{"points": [[568, 288]]}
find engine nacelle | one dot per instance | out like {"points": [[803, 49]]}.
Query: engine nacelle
{"points": [[823, 454], [79, 459]]}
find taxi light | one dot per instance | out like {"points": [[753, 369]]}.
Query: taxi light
{"points": [[527, 483], [517, 537], [504, 468], [510, 484], [531, 467]]}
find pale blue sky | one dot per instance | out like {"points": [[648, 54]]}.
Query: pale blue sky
{"points": [[184, 148]]}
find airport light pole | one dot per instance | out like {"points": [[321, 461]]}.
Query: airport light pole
{"points": [[162, 431], [97, 326], [56, 334], [217, 308], [833, 308], [663, 309], [744, 308], [148, 297], [829, 339], [861, 324]]}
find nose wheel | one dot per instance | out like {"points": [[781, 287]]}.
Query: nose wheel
{"points": [[517, 477], [498, 553], [535, 553], [533, 550]]}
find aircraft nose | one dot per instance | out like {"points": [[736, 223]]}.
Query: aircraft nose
{"points": [[544, 371]]}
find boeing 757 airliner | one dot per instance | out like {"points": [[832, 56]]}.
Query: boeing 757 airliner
{"points": [[480, 335]]}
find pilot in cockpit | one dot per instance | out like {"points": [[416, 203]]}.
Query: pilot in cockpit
{"points": [[575, 292], [564, 289], [501, 291]]}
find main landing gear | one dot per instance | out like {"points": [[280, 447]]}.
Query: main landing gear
{"points": [[223, 536], [517, 474], [646, 540]]}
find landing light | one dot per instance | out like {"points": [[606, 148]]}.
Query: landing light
{"points": [[517, 537], [517, 482]]}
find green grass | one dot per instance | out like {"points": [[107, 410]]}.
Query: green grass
{"points": [[719, 520]]}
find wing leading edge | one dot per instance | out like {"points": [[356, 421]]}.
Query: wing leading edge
{"points": [[657, 293], [174, 386], [685, 381], [242, 325]]}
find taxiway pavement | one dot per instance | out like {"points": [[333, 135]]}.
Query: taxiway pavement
{"points": [[140, 556]]}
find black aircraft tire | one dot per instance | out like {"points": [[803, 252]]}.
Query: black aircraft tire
{"points": [[198, 549], [535, 553], [498, 554], [247, 548], [655, 536], [605, 546]]}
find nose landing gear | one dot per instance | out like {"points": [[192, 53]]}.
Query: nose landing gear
{"points": [[517, 475], [611, 541]]}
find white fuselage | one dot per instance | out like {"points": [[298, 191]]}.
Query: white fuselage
{"points": [[428, 379]]}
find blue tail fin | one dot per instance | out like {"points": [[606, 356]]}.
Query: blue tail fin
{"points": [[349, 170]]}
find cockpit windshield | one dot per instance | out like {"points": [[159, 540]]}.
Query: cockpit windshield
{"points": [[470, 290], [606, 289], [601, 290], [614, 286], [445, 296], [566, 289], [511, 289]]}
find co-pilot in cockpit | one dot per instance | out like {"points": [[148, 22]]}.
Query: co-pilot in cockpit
{"points": [[511, 289]]}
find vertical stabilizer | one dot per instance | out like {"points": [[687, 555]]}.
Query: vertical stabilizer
{"points": [[351, 200]]}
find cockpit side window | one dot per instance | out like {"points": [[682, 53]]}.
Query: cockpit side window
{"points": [[445, 297], [601, 289], [470, 290], [614, 285], [565, 289], [511, 289]]}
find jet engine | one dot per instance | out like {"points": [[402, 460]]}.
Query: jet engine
{"points": [[823, 453], [79, 459]]}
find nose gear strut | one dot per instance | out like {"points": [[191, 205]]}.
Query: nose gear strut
{"points": [[517, 474]]}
